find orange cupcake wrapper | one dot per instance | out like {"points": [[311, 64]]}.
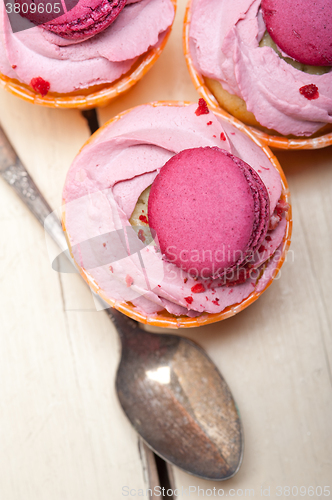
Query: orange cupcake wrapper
{"points": [[163, 318], [272, 141], [101, 97]]}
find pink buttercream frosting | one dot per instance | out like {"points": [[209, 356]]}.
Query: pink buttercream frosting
{"points": [[224, 44], [102, 188], [71, 65]]}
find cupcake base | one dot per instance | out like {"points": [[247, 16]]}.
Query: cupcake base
{"points": [[238, 108]]}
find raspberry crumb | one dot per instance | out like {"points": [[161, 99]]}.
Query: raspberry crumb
{"points": [[209, 123], [14, 66], [185, 280], [141, 235], [104, 245], [214, 136], [222, 136], [189, 300], [143, 218], [216, 302], [40, 85], [309, 91], [281, 207], [261, 249], [202, 108], [198, 288], [110, 268], [268, 238], [129, 280]]}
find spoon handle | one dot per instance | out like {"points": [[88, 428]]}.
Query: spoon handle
{"points": [[15, 174]]}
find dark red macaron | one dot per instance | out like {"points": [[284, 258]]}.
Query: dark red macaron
{"points": [[301, 28], [210, 211], [83, 19]]}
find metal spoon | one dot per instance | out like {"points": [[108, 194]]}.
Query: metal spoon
{"points": [[169, 389]]}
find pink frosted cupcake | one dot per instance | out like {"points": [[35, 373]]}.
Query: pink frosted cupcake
{"points": [[238, 60], [176, 217], [86, 56]]}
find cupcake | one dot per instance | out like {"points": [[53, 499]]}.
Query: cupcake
{"points": [[85, 57], [267, 63], [176, 217]]}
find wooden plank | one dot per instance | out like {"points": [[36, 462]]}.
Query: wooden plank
{"points": [[63, 433]]}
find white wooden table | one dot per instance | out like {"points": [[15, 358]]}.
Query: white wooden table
{"points": [[62, 433]]}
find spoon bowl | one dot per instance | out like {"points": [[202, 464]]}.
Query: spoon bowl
{"points": [[178, 402]]}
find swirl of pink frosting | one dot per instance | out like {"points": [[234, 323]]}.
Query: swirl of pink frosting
{"points": [[224, 44], [102, 188], [71, 65]]}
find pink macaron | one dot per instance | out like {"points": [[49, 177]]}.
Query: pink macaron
{"points": [[210, 211], [301, 28]]}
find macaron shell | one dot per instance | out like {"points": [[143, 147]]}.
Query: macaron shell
{"points": [[301, 29], [86, 18], [206, 211]]}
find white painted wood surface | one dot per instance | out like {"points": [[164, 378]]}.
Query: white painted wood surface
{"points": [[62, 432]]}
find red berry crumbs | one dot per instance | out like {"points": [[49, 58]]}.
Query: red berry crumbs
{"points": [[216, 302], [209, 123], [222, 136], [198, 288], [141, 235], [143, 218], [281, 207], [129, 280], [268, 238], [189, 300], [40, 85], [202, 108], [309, 91]]}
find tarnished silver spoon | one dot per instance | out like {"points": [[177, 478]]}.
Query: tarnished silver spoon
{"points": [[170, 390]]}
